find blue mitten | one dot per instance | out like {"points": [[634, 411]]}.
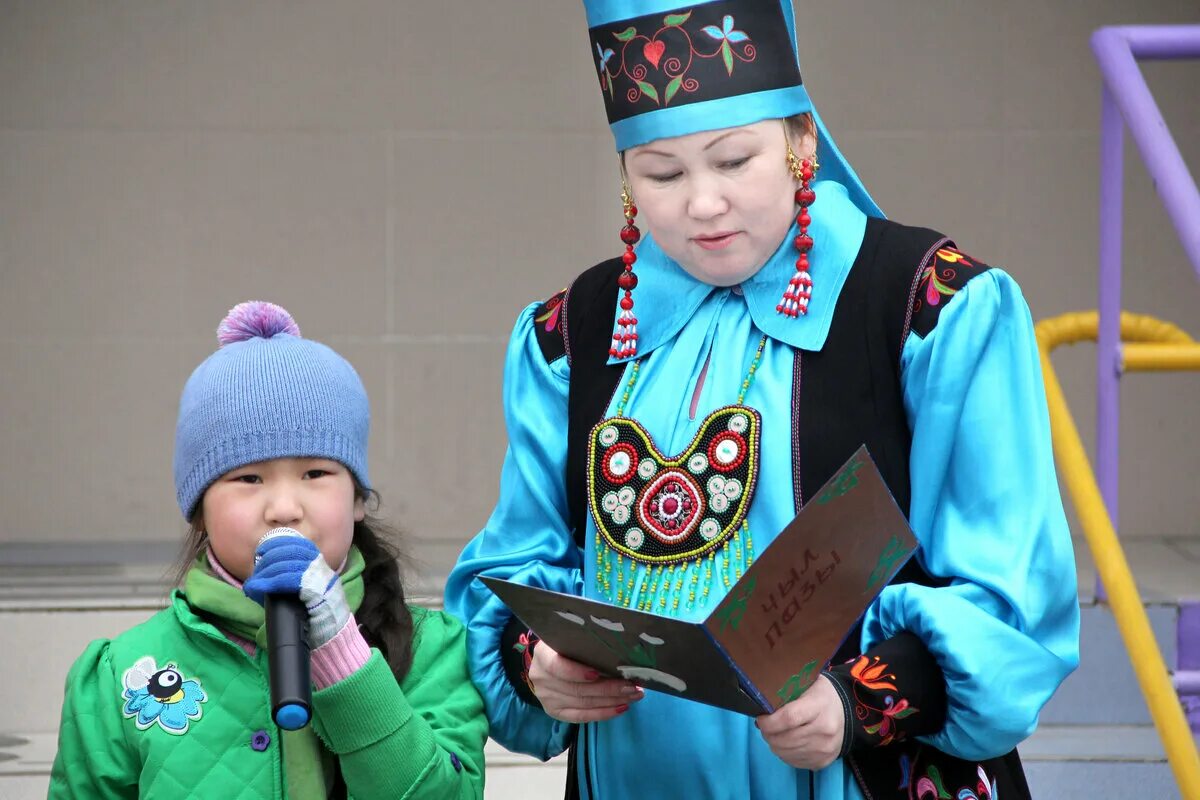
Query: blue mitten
{"points": [[287, 563]]}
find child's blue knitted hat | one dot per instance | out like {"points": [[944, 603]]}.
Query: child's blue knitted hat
{"points": [[267, 393]]}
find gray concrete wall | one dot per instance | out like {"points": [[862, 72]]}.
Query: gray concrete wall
{"points": [[404, 177]]}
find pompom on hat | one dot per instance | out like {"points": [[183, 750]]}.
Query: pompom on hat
{"points": [[255, 320], [267, 393]]}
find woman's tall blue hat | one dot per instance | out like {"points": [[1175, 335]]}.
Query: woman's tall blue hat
{"points": [[669, 70]]}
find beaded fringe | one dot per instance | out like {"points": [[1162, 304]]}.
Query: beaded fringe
{"points": [[664, 589]]}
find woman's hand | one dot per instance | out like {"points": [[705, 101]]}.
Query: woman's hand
{"points": [[807, 732], [574, 692]]}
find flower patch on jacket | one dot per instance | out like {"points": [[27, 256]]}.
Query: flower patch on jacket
{"points": [[164, 696]]}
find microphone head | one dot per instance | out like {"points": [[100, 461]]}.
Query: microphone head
{"points": [[277, 532]]}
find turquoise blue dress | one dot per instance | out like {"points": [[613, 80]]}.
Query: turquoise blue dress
{"points": [[985, 507]]}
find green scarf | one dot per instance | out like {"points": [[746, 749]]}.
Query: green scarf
{"points": [[305, 760]]}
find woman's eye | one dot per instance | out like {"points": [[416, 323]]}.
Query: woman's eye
{"points": [[665, 178], [734, 164]]}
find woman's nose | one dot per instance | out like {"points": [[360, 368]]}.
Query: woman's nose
{"points": [[707, 200]]}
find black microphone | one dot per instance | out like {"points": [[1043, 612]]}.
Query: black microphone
{"points": [[288, 655]]}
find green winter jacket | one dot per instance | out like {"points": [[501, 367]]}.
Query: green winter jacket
{"points": [[172, 709]]}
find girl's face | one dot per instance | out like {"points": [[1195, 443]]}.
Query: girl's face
{"points": [[718, 202], [315, 496]]}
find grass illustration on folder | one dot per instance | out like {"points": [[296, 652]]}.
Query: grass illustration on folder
{"points": [[776, 629]]}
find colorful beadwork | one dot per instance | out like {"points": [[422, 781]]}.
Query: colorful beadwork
{"points": [[624, 341], [799, 289], [663, 520], [678, 513]]}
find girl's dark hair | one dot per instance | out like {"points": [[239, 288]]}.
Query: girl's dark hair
{"points": [[383, 617]]}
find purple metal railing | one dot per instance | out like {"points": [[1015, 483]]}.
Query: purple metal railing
{"points": [[1126, 101], [1187, 670]]}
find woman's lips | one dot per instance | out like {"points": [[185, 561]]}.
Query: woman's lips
{"points": [[716, 241]]}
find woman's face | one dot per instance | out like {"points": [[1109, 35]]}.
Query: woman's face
{"points": [[717, 202]]}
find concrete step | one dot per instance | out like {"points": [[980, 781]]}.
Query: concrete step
{"points": [[1104, 690], [1167, 568], [1101, 780], [1100, 762]]}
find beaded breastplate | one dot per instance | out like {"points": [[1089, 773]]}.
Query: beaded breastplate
{"points": [[659, 510], [663, 520]]}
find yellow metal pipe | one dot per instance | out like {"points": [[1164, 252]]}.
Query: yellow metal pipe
{"points": [[1147, 357], [1132, 621], [1082, 326]]}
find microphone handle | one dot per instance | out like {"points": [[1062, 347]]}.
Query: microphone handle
{"points": [[288, 661]]}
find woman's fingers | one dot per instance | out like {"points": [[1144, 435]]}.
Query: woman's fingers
{"points": [[604, 689], [807, 732], [549, 669], [560, 667], [574, 692], [584, 709], [579, 702]]}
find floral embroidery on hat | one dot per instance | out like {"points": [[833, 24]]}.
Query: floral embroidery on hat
{"points": [[161, 695], [671, 50]]}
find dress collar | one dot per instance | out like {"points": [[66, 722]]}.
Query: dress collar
{"points": [[667, 296]]}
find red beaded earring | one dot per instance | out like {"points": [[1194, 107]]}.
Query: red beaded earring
{"points": [[799, 289], [624, 342]]}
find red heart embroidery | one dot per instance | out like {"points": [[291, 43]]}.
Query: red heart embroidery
{"points": [[653, 51]]}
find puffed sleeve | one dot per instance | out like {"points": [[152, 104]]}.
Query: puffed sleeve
{"points": [[421, 739], [987, 512], [527, 538], [94, 760]]}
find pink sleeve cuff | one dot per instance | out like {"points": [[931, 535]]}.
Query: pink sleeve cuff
{"points": [[340, 657]]}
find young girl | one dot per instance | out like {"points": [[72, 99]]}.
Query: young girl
{"points": [[272, 433]]}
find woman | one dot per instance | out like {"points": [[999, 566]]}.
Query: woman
{"points": [[766, 284]]}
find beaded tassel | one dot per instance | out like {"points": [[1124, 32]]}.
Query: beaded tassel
{"points": [[799, 289], [656, 588], [624, 342]]}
